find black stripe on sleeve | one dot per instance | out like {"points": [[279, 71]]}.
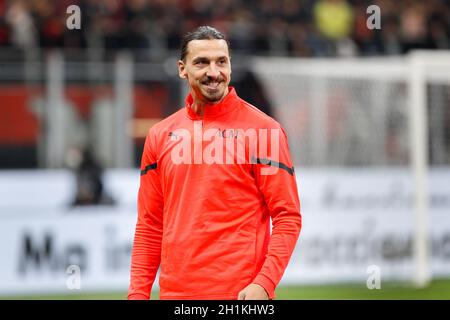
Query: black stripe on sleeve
{"points": [[272, 163], [152, 166]]}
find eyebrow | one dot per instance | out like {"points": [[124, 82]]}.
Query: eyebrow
{"points": [[201, 59]]}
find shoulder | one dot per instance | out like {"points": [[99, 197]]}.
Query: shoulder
{"points": [[160, 131], [166, 124], [257, 117]]}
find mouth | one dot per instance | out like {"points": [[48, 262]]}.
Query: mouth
{"points": [[212, 85]]}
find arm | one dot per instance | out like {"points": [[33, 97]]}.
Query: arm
{"points": [[146, 254], [277, 183]]}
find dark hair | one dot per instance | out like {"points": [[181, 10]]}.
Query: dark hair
{"points": [[201, 33]]}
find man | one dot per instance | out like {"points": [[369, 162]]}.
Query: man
{"points": [[206, 196]]}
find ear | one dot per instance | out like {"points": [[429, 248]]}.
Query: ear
{"points": [[182, 69]]}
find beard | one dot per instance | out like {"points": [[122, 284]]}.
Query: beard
{"points": [[213, 90]]}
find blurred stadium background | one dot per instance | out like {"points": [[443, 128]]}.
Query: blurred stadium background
{"points": [[367, 114]]}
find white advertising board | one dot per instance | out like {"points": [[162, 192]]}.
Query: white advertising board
{"points": [[352, 219]]}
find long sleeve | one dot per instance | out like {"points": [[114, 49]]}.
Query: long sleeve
{"points": [[146, 253], [276, 180]]}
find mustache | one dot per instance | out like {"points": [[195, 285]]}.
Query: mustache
{"points": [[208, 80]]}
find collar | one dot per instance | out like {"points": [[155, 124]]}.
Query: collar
{"points": [[213, 110]]}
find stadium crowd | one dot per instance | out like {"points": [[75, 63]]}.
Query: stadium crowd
{"points": [[264, 27]]}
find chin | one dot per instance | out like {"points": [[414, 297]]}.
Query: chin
{"points": [[214, 97]]}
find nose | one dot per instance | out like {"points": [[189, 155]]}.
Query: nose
{"points": [[213, 71]]}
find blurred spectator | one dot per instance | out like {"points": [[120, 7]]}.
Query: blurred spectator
{"points": [[23, 33], [438, 25], [49, 16], [298, 39], [137, 26], [89, 190], [241, 31], [278, 37], [111, 23], [334, 18], [413, 28], [368, 41]]}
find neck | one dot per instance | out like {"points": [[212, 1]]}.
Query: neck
{"points": [[199, 105]]}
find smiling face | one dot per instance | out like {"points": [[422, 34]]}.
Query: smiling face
{"points": [[207, 68]]}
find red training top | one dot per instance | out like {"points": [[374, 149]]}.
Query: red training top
{"points": [[204, 211]]}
